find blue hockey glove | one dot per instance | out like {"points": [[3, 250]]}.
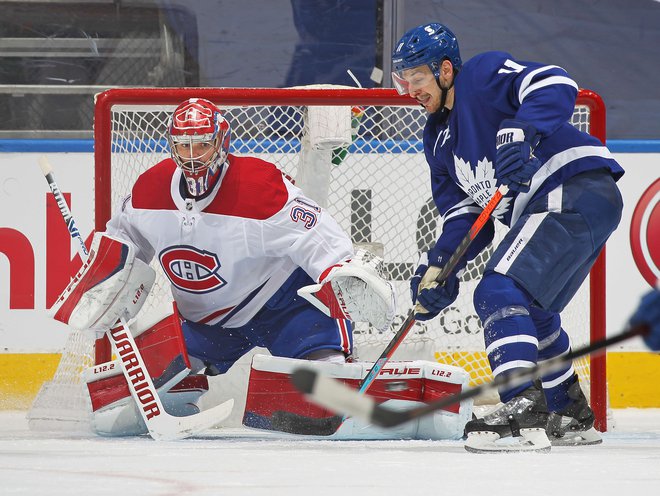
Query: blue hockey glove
{"points": [[648, 312], [414, 282], [431, 298], [515, 163]]}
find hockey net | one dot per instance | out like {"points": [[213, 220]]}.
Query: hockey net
{"points": [[377, 188]]}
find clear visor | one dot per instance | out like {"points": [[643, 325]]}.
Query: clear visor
{"points": [[410, 80]]}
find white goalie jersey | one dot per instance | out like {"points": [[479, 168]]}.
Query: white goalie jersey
{"points": [[226, 254]]}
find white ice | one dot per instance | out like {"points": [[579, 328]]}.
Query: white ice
{"points": [[247, 462]]}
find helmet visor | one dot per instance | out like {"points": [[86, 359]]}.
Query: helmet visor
{"points": [[412, 79]]}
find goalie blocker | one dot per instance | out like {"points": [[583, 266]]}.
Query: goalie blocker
{"points": [[400, 385], [111, 284]]}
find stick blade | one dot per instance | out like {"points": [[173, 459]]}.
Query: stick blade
{"points": [[333, 394], [304, 380], [171, 428]]}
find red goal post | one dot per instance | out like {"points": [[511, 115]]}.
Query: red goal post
{"points": [[129, 123]]}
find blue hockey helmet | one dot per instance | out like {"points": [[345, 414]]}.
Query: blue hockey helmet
{"points": [[426, 45]]}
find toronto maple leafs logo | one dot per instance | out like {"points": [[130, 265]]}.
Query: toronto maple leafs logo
{"points": [[480, 183]]}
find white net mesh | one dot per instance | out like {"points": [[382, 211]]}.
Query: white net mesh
{"points": [[378, 190], [61, 403]]}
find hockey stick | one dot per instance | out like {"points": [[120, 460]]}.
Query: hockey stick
{"points": [[297, 424], [160, 424], [337, 396]]}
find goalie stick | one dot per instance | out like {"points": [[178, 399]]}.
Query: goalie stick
{"points": [[298, 424], [161, 425], [337, 396]]}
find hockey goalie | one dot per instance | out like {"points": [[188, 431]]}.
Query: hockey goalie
{"points": [[113, 285], [251, 262]]}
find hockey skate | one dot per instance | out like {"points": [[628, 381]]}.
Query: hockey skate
{"points": [[519, 425], [574, 425]]}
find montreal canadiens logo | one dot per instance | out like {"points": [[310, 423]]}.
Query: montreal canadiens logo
{"points": [[645, 234], [191, 269]]}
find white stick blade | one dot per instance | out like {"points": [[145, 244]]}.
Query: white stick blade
{"points": [[170, 428]]}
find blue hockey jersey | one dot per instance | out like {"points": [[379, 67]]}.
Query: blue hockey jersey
{"points": [[460, 149]]}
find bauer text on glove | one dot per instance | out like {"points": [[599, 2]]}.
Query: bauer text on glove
{"points": [[515, 163]]}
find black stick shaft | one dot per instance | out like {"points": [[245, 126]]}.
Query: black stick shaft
{"points": [[390, 418], [451, 264]]}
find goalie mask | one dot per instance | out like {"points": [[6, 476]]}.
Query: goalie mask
{"points": [[199, 136], [419, 53]]}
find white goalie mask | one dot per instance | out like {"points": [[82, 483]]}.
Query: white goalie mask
{"points": [[199, 137]]}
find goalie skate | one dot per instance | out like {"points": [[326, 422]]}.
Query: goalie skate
{"points": [[519, 425]]}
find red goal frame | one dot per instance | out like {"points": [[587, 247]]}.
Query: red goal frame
{"points": [[317, 96]]}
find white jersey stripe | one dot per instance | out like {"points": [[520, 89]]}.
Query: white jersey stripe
{"points": [[555, 163], [547, 82], [555, 198]]}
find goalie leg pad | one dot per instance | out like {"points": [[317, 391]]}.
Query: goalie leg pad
{"points": [[401, 384], [163, 350], [121, 418], [112, 283]]}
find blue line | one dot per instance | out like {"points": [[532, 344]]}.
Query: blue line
{"points": [[237, 146], [279, 146], [46, 145], [634, 146]]}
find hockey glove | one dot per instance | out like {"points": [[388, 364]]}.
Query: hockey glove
{"points": [[648, 312], [515, 163], [354, 290], [429, 296]]}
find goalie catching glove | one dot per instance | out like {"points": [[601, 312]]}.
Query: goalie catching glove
{"points": [[112, 283], [354, 290]]}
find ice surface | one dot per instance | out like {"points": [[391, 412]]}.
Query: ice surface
{"points": [[247, 462]]}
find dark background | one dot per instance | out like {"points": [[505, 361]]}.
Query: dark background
{"points": [[55, 55]]}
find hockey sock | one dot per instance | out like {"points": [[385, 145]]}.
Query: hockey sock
{"points": [[509, 332], [553, 342]]}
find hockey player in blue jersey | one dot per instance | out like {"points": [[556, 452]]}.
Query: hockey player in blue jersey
{"points": [[496, 120]]}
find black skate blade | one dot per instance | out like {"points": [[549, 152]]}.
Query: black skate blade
{"points": [[293, 423]]}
